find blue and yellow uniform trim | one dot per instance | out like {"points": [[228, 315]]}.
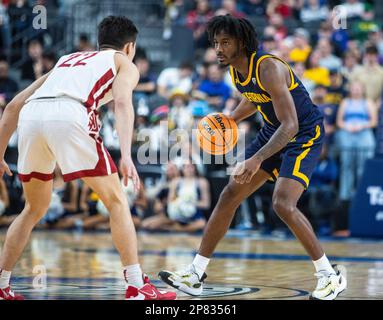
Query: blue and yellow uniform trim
{"points": [[298, 159]]}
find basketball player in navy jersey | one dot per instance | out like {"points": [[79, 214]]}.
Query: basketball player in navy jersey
{"points": [[286, 150]]}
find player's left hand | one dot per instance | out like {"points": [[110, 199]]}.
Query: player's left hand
{"points": [[244, 171], [128, 171], [4, 168]]}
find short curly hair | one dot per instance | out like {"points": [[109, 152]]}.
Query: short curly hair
{"points": [[239, 28]]}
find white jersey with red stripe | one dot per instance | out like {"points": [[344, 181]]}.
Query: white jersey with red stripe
{"points": [[83, 76], [60, 121]]}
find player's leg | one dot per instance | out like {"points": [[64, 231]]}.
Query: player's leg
{"points": [[285, 198], [35, 166], [230, 199], [299, 161], [109, 189], [190, 280], [37, 198], [331, 282]]}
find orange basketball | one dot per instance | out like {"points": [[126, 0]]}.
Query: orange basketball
{"points": [[217, 133]]}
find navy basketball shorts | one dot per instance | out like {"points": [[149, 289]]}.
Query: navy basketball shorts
{"points": [[295, 161]]}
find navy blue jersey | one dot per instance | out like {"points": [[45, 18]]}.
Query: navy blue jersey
{"points": [[253, 90]]}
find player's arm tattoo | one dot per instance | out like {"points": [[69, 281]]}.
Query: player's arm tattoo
{"points": [[277, 142], [275, 77]]}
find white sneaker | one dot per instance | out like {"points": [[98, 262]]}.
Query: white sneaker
{"points": [[186, 280], [330, 285]]}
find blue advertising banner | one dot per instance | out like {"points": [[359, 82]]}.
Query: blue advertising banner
{"points": [[366, 214]]}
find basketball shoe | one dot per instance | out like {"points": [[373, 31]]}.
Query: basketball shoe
{"points": [[8, 294], [330, 285], [148, 292], [186, 280]]}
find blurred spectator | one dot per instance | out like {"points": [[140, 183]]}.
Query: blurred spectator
{"points": [[313, 10], [180, 116], [138, 204], [158, 133], [279, 7], [350, 61], [5, 35], [370, 74], [328, 60], [325, 31], [302, 48], [299, 69], [196, 20], [329, 112], [175, 79], [375, 38], [214, 86], [142, 116], [283, 50], [160, 204], [356, 117], [20, 19], [336, 90], [48, 61], [338, 37], [32, 68], [199, 107], [188, 196], [63, 200], [147, 84], [276, 21], [315, 72], [4, 199], [8, 86], [230, 7], [269, 44], [172, 13], [355, 9], [96, 216], [108, 130], [189, 150], [322, 194], [254, 7], [84, 43]]}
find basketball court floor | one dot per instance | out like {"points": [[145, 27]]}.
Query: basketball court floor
{"points": [[246, 265]]}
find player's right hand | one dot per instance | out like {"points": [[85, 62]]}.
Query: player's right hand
{"points": [[4, 168], [128, 171]]}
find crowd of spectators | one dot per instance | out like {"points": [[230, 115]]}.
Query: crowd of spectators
{"points": [[340, 67]]}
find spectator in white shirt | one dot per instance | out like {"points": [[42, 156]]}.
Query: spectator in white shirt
{"points": [[171, 79]]}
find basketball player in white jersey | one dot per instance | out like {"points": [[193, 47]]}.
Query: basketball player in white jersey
{"points": [[57, 121]]}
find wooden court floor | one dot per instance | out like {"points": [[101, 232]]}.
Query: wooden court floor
{"points": [[246, 265]]}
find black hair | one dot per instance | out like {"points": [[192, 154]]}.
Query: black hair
{"points": [[239, 28], [49, 56], [140, 54], [186, 65], [84, 37], [372, 49], [115, 31]]}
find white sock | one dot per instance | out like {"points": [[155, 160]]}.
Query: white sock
{"points": [[200, 263], [5, 276], [323, 264], [133, 275]]}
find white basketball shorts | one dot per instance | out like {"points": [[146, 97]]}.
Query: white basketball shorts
{"points": [[60, 130]]}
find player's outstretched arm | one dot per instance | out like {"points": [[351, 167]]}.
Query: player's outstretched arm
{"points": [[8, 122], [123, 85], [244, 110], [274, 77]]}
